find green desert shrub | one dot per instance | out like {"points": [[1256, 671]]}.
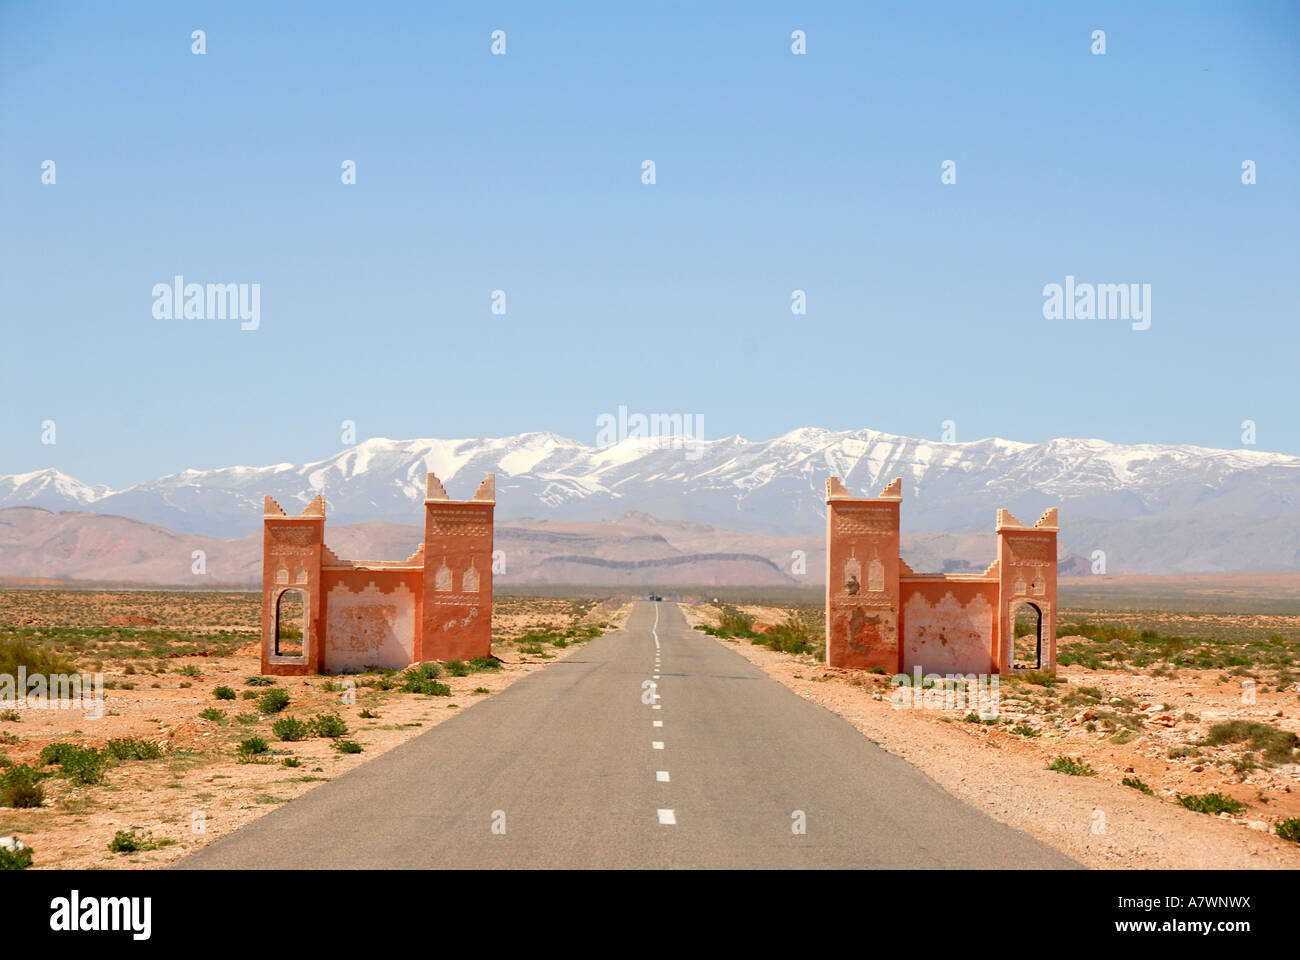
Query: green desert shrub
{"points": [[328, 725], [252, 747], [1214, 803], [1136, 784], [128, 748], [20, 787], [290, 729], [56, 752], [124, 841], [1072, 767], [1289, 829], [423, 679], [35, 659], [273, 701], [135, 841], [1277, 746], [347, 746], [1041, 678], [731, 623], [224, 693], [84, 765], [15, 859]]}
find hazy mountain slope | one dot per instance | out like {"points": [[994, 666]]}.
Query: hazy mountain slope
{"points": [[635, 549]]}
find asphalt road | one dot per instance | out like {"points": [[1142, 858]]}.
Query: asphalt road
{"points": [[571, 767]]}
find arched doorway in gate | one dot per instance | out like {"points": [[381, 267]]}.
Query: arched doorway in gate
{"points": [[1027, 631]]}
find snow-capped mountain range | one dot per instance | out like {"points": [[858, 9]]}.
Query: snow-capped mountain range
{"points": [[1153, 508]]}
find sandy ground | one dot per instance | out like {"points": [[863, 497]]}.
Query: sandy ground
{"points": [[1093, 819], [199, 790]]}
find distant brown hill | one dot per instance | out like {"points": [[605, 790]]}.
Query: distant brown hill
{"points": [[74, 545], [636, 549]]}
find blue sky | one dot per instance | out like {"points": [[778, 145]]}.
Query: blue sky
{"points": [[522, 172]]}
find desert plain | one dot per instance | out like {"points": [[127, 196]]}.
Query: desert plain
{"points": [[1167, 737]]}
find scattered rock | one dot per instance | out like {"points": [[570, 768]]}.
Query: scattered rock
{"points": [[12, 844]]}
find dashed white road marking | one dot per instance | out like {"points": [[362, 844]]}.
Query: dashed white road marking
{"points": [[666, 817], [656, 707]]}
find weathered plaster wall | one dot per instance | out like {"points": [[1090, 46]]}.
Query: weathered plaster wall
{"points": [[370, 619], [948, 625]]}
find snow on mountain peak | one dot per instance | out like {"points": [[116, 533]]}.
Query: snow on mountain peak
{"points": [[771, 486], [40, 486]]}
